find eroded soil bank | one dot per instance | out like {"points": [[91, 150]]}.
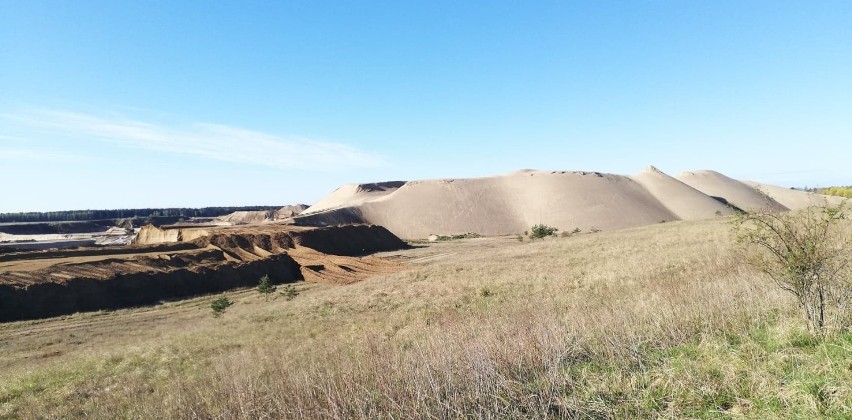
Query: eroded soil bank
{"points": [[51, 283]]}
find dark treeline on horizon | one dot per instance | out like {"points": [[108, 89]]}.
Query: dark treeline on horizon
{"points": [[86, 215]]}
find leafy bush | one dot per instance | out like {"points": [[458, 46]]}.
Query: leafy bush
{"points": [[808, 254], [542, 231], [220, 305]]}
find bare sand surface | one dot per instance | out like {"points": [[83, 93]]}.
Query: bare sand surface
{"points": [[567, 200]]}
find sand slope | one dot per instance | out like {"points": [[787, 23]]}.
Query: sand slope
{"points": [[498, 205], [254, 217], [793, 199], [686, 202], [512, 203], [354, 194], [730, 190]]}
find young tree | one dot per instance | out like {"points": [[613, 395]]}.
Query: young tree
{"points": [[808, 254], [265, 286]]}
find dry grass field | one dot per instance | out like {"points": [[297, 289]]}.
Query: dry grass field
{"points": [[663, 320]]}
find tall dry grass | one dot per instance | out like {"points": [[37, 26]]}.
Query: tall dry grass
{"points": [[594, 326]]}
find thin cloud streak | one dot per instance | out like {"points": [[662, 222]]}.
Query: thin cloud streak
{"points": [[39, 155], [203, 140]]}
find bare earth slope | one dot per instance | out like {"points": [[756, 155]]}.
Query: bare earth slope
{"points": [[510, 204], [164, 266]]}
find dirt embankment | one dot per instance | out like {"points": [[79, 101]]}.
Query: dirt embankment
{"points": [[44, 284]]}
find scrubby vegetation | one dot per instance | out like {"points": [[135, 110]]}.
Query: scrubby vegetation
{"points": [[661, 321], [807, 253], [290, 292], [838, 191], [219, 306], [542, 231], [460, 236]]}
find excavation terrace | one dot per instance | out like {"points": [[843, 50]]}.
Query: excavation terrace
{"points": [[166, 264]]}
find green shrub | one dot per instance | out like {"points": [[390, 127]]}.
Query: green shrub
{"points": [[808, 254], [542, 231], [462, 236], [290, 292], [220, 305]]}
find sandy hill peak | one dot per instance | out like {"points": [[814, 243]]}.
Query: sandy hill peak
{"points": [[683, 200]]}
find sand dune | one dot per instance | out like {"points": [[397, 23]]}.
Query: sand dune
{"points": [[734, 192], [512, 203], [354, 194], [793, 199], [683, 200], [254, 217]]}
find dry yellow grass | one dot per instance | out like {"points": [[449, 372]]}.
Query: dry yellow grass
{"points": [[663, 320]]}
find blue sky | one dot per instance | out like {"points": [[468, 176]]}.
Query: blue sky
{"points": [[112, 104]]}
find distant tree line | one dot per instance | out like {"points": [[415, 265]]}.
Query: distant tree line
{"points": [[86, 215], [838, 191]]}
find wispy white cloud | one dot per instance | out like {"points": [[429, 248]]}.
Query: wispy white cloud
{"points": [[39, 155], [202, 140]]}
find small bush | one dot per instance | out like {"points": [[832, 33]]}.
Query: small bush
{"points": [[485, 292], [808, 254], [520, 238], [542, 231], [220, 305], [290, 292]]}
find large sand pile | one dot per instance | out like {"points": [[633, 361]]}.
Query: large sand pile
{"points": [[794, 199], [254, 217], [686, 202], [512, 203], [730, 190]]}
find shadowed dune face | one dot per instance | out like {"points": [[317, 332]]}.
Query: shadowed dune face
{"points": [[512, 203]]}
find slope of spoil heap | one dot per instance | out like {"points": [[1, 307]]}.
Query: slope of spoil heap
{"points": [[50, 283], [512, 203]]}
